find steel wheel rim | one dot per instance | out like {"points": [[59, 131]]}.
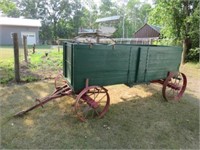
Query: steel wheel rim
{"points": [[179, 80], [100, 95]]}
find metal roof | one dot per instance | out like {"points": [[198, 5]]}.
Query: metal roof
{"points": [[20, 22], [157, 28], [111, 18]]}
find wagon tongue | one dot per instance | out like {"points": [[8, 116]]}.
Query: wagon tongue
{"points": [[90, 101]]}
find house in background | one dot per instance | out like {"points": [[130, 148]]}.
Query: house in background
{"points": [[27, 27], [146, 34]]}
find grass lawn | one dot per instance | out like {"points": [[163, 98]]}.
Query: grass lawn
{"points": [[39, 66], [138, 118]]}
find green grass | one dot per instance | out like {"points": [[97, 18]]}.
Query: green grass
{"points": [[37, 64], [137, 123]]}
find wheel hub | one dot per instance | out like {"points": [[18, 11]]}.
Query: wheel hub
{"points": [[92, 103]]}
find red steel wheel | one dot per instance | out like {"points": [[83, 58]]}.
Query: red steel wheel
{"points": [[93, 101], [174, 86]]}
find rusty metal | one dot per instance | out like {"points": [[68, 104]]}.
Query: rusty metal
{"points": [[92, 101], [59, 92], [91, 96], [174, 86]]}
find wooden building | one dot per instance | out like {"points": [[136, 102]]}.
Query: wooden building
{"points": [[146, 34]]}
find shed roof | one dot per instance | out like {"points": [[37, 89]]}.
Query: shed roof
{"points": [[20, 22], [147, 31], [111, 18], [157, 28]]}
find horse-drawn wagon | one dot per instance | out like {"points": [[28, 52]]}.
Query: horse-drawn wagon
{"points": [[87, 68]]}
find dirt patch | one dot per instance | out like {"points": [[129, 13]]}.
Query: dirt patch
{"points": [[193, 79]]}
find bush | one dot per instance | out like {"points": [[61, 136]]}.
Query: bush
{"points": [[169, 42], [193, 55]]}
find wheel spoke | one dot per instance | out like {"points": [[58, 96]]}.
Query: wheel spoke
{"points": [[101, 98], [96, 94], [178, 84], [96, 112], [87, 111]]}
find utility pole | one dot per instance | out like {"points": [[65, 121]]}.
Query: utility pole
{"points": [[123, 26]]}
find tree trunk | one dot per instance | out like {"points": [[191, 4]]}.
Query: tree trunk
{"points": [[186, 47], [16, 57], [55, 30]]}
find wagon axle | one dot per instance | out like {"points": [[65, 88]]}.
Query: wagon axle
{"points": [[91, 102], [170, 85], [94, 101], [173, 86]]}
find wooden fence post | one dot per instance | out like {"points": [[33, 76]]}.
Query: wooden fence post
{"points": [[25, 48], [16, 57], [33, 48], [58, 42]]}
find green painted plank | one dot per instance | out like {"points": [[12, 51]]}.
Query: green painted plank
{"points": [[107, 64]]}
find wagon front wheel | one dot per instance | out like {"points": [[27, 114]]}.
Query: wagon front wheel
{"points": [[93, 101], [59, 81], [174, 86]]}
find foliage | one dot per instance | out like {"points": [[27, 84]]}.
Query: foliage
{"points": [[9, 8], [181, 21], [63, 18], [6, 71], [193, 55], [194, 21], [107, 8], [137, 14], [167, 41]]}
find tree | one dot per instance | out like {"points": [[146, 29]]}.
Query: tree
{"points": [[77, 15], [178, 19], [30, 8], [107, 8], [137, 14], [134, 14], [53, 11], [9, 8], [49, 11], [90, 14]]}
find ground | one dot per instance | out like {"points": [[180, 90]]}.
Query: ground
{"points": [[138, 118]]}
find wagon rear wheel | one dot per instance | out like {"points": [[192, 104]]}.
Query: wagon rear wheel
{"points": [[174, 86], [92, 102]]}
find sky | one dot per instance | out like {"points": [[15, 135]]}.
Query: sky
{"points": [[98, 2]]}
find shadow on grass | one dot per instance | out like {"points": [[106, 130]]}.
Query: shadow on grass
{"points": [[132, 121]]}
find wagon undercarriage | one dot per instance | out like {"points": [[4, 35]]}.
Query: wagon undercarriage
{"points": [[94, 101]]}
